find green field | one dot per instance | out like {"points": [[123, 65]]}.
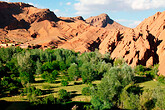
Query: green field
{"points": [[19, 102], [74, 89]]}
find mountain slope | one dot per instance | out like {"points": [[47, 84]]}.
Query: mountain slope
{"points": [[144, 44]]}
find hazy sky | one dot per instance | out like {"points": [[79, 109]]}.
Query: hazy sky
{"points": [[127, 12]]}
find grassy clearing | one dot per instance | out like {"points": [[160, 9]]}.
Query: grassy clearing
{"points": [[151, 84], [74, 89], [53, 88]]}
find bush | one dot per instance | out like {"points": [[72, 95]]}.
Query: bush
{"points": [[88, 72], [86, 91], [140, 70], [63, 95], [73, 72], [31, 92], [99, 104], [147, 102], [161, 79], [64, 83], [119, 62], [8, 84], [150, 75], [26, 77], [62, 65], [129, 100], [50, 77], [159, 96], [46, 87], [49, 100], [47, 66], [50, 66]]}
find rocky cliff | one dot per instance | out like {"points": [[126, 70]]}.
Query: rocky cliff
{"points": [[144, 44]]}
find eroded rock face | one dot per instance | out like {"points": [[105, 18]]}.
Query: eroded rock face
{"points": [[144, 44]]}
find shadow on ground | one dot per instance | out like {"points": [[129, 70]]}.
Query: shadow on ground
{"points": [[141, 79], [28, 106]]}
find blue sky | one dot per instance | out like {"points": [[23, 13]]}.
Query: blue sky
{"points": [[127, 12]]}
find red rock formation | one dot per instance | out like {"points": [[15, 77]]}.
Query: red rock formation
{"points": [[104, 21], [144, 44]]}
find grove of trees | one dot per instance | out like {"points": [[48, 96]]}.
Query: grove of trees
{"points": [[118, 87]]}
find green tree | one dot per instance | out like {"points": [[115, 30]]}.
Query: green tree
{"points": [[73, 72], [119, 62], [11, 65], [64, 83], [86, 91], [88, 72], [2, 70], [25, 67], [38, 67], [50, 77], [159, 96], [6, 54], [47, 66], [64, 95], [62, 65], [108, 91], [139, 69], [129, 101]]}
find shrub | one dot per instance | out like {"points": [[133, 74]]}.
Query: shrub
{"points": [[129, 100], [73, 72], [31, 92], [159, 96], [8, 84], [50, 77], [62, 65], [88, 72], [86, 91], [140, 70], [64, 83], [44, 75], [150, 74], [47, 66], [161, 79], [119, 62], [99, 104], [38, 67], [147, 102], [55, 74], [50, 99], [46, 87], [63, 95], [26, 77]]}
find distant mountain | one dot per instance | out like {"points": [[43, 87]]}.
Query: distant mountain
{"points": [[104, 21], [145, 44]]}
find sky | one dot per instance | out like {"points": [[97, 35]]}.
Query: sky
{"points": [[126, 12]]}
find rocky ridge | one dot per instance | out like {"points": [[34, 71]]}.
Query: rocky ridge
{"points": [[144, 44]]}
